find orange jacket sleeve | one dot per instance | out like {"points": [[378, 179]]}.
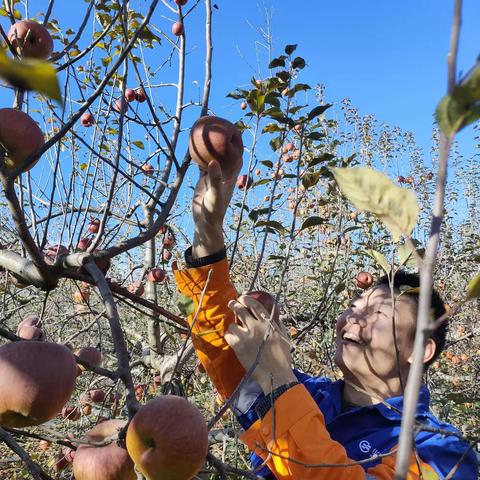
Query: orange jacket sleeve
{"points": [[210, 320], [293, 438]]}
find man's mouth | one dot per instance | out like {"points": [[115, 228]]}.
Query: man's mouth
{"points": [[348, 337]]}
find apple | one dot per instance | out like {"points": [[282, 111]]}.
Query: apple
{"points": [[169, 242], [55, 251], [298, 128], [109, 462], [244, 181], [168, 438], [136, 289], [140, 95], [120, 105], [157, 379], [148, 169], [130, 95], [91, 355], [94, 225], [71, 413], [96, 396], [139, 392], [36, 381], [87, 409], [29, 332], [30, 39], [21, 138], [166, 255], [180, 2], [267, 300], [401, 179], [214, 138], [156, 275], [87, 119], [364, 280], [409, 180], [84, 243], [243, 105], [177, 28], [289, 147]]}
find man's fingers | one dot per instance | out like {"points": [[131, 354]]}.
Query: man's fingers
{"points": [[214, 174], [233, 334], [244, 315], [257, 308]]}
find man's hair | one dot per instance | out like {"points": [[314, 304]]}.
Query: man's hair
{"points": [[406, 279]]}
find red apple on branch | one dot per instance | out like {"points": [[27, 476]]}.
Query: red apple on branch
{"points": [[87, 119], [94, 225], [108, 462], [130, 95], [214, 138], [148, 169], [244, 181], [36, 381], [21, 138], [156, 275], [30, 39], [177, 28], [140, 95], [364, 280], [168, 438]]}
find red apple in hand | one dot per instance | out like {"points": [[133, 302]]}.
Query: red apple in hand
{"points": [[168, 439], [214, 138], [109, 462], [31, 39], [364, 280], [268, 301]]}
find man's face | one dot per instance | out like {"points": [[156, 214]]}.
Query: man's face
{"points": [[365, 339]]}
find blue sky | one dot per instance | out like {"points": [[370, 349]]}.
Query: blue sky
{"points": [[388, 57]]}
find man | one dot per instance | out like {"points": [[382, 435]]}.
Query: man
{"points": [[305, 427]]}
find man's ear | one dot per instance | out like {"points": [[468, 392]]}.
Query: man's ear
{"points": [[430, 350]]}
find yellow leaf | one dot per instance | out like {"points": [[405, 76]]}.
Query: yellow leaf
{"points": [[30, 74], [473, 289], [374, 192], [83, 166]]}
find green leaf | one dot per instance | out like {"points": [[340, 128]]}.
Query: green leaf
{"points": [[277, 62], [318, 111], [312, 222], [139, 144], [185, 305], [473, 288], [276, 143], [298, 63], [380, 259], [254, 214], [374, 192], [267, 163], [326, 157], [28, 74], [310, 179], [315, 136], [272, 224], [289, 49]]}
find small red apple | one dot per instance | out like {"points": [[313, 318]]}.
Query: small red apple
{"points": [[181, 2], [364, 280], [84, 243], [140, 95], [94, 226], [130, 95], [244, 181], [289, 147], [243, 105], [31, 39], [87, 119], [91, 355], [401, 179], [268, 301], [168, 242], [148, 169], [166, 255], [44, 444], [81, 296], [156, 275], [136, 289], [120, 105], [177, 28], [96, 396]]}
